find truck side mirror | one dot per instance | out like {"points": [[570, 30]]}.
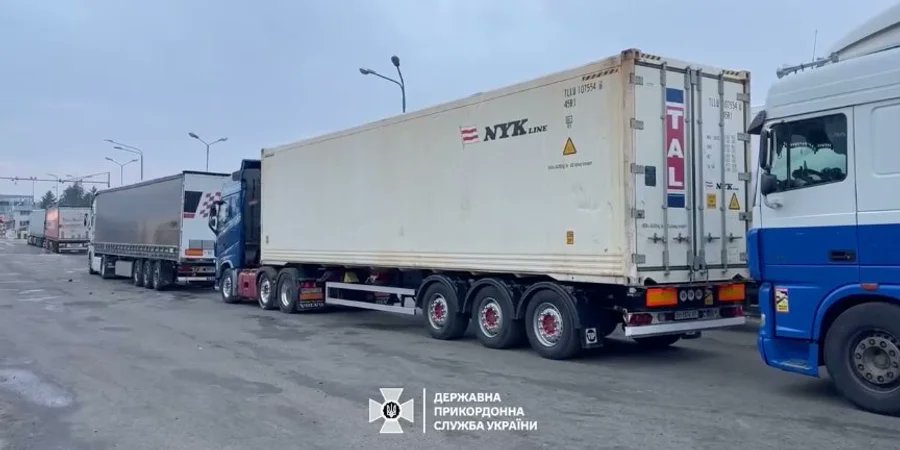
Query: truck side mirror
{"points": [[768, 183], [214, 217], [764, 149]]}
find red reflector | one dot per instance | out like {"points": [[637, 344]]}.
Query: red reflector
{"points": [[737, 311], [870, 286], [640, 319]]}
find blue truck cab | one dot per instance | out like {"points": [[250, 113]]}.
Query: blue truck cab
{"points": [[825, 242], [236, 221]]}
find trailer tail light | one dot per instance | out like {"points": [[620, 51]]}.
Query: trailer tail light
{"points": [[732, 293], [194, 252], [737, 311], [639, 319], [309, 292], [657, 297]]}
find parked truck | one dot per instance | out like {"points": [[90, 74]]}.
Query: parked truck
{"points": [[65, 229], [36, 222], [155, 232], [825, 245], [553, 210]]}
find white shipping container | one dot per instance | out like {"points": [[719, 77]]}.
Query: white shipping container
{"points": [[615, 172], [36, 222]]}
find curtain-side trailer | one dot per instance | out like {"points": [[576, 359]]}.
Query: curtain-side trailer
{"points": [[554, 210], [155, 232]]}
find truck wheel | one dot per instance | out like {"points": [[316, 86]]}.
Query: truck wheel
{"points": [[228, 285], [265, 292], [287, 290], [442, 312], [137, 272], [550, 326], [657, 342], [104, 268], [147, 272], [493, 314], [862, 354]]}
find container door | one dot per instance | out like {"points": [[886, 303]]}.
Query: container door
{"points": [[721, 174], [690, 174], [662, 174]]}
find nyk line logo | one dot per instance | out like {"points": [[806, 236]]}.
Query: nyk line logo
{"points": [[470, 135]]}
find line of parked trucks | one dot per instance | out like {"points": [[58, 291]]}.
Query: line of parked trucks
{"points": [[59, 229], [552, 212]]}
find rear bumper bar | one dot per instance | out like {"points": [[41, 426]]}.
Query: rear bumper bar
{"points": [[682, 327], [208, 279]]}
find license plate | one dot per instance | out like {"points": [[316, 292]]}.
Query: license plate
{"points": [[687, 315]]}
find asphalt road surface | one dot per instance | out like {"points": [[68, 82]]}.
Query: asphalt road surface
{"points": [[87, 363]]}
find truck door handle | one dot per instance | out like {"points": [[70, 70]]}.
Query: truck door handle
{"points": [[842, 255]]}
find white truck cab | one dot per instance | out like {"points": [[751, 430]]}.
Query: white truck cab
{"points": [[825, 243]]}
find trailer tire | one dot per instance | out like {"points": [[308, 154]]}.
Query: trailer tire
{"points": [[147, 272], [228, 285], [287, 290], [137, 272], [161, 275], [266, 294], [104, 269], [550, 325], [494, 317], [862, 355], [91, 270], [443, 317], [657, 342]]}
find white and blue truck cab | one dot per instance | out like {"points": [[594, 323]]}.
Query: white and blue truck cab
{"points": [[825, 242]]}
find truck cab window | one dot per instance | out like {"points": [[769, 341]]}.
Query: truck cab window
{"points": [[809, 152]]}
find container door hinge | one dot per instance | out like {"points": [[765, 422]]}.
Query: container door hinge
{"points": [[743, 97], [743, 137], [637, 169], [636, 80], [746, 216], [638, 258], [744, 176], [637, 124], [637, 213]]}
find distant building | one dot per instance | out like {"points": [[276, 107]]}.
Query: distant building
{"points": [[15, 211]]}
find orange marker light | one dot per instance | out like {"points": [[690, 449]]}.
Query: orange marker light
{"points": [[732, 293], [194, 252], [657, 297]]}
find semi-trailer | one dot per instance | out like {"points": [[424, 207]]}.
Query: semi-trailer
{"points": [[555, 210], [65, 229], [36, 223], [155, 232]]}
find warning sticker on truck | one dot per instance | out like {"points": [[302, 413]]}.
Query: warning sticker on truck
{"points": [[675, 140], [782, 304]]}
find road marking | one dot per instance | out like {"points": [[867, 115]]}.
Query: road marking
{"points": [[31, 291], [38, 299]]}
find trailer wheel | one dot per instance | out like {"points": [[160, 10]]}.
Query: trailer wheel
{"points": [[137, 272], [442, 311], [147, 272], [104, 269], [228, 286], [287, 290], [91, 270], [862, 354], [494, 315], [160, 275], [657, 342], [265, 289], [550, 326]]}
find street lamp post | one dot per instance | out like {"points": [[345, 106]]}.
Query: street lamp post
{"points": [[130, 149], [121, 168], [208, 144], [57, 184], [395, 60]]}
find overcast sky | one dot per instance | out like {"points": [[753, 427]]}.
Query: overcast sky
{"points": [[76, 72]]}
